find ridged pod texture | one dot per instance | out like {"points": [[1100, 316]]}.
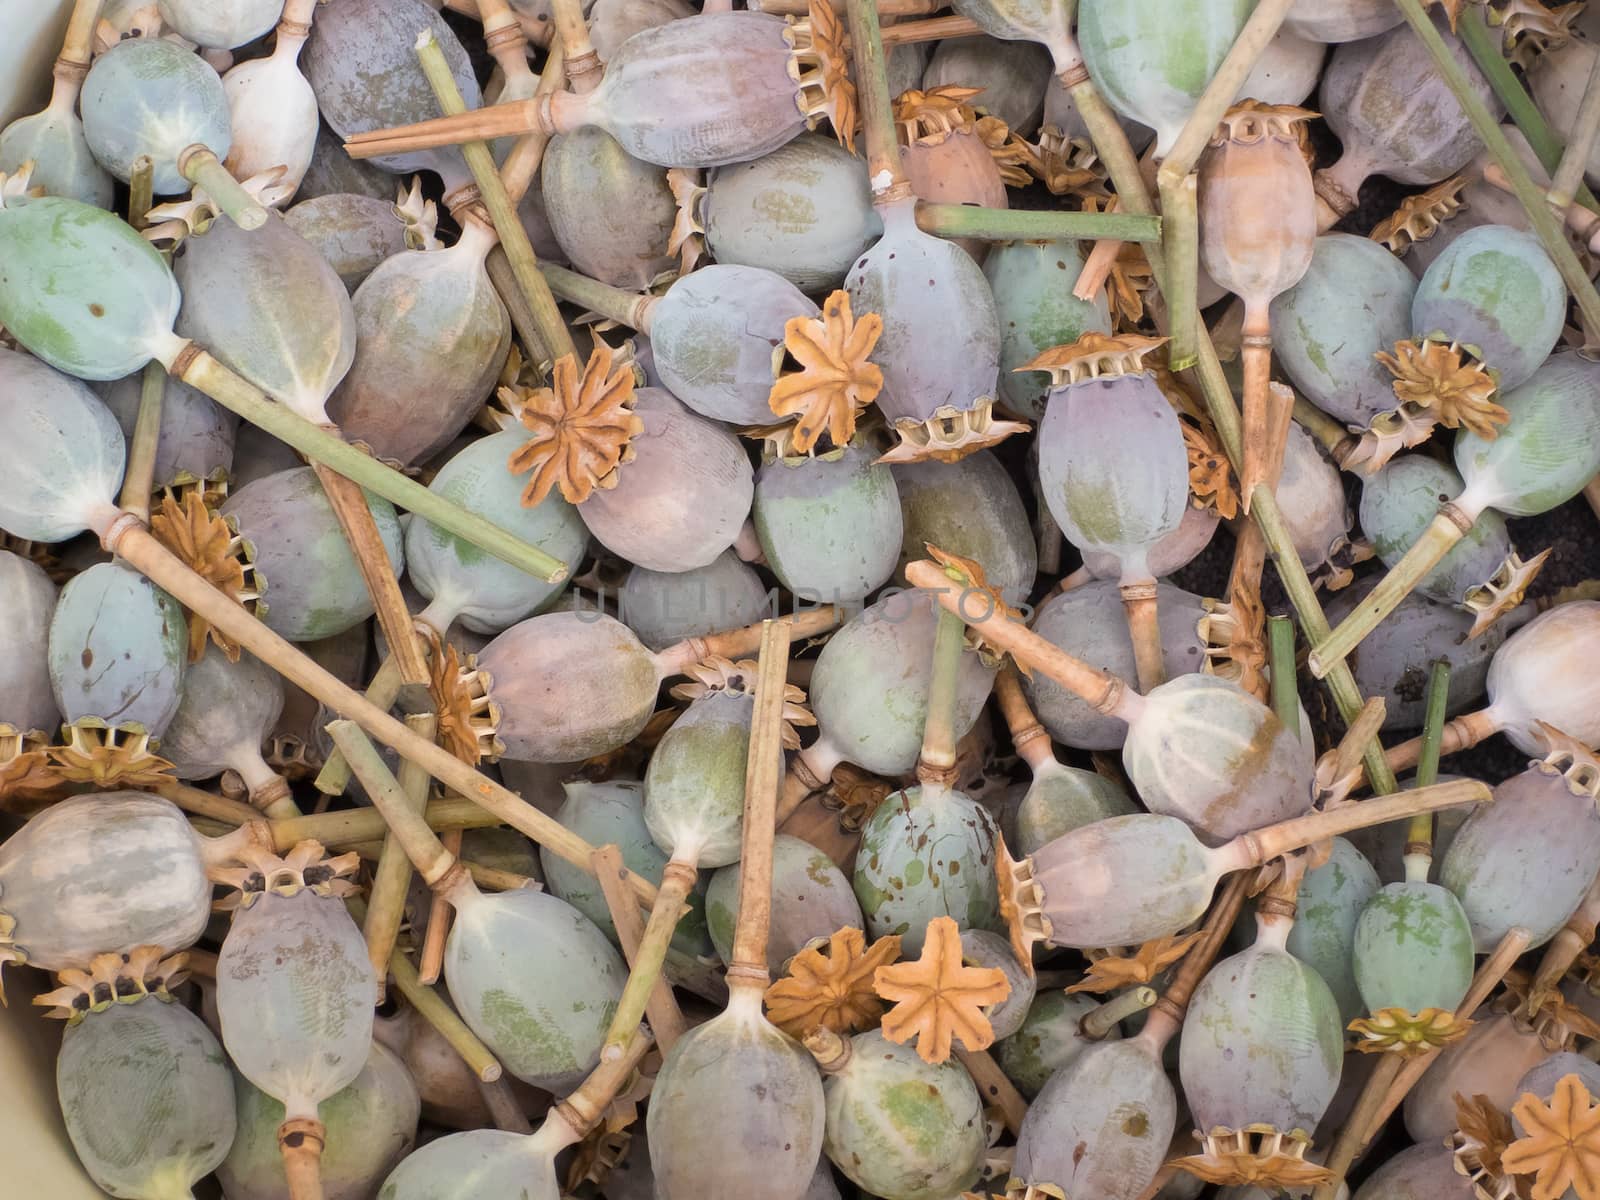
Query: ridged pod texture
{"points": [[152, 96], [984, 948], [685, 496], [362, 63], [901, 1128], [147, 1097], [81, 289], [723, 78], [869, 690], [1354, 300], [1153, 61], [611, 213], [1262, 1042], [1399, 502], [489, 594], [811, 898], [295, 992], [1323, 937], [1061, 799], [1527, 859], [971, 508], [353, 232], [570, 685], [1341, 20], [1102, 1125], [664, 607], [1413, 949], [52, 140], [1088, 622], [1550, 448], [1488, 1061], [225, 712], [314, 585], [1209, 752], [934, 351], [830, 527], [196, 437], [1544, 673], [1047, 1041], [713, 335], [537, 981], [100, 873], [24, 662], [371, 1125], [1494, 288], [432, 337], [117, 649], [694, 785], [296, 339], [479, 1162], [1311, 496], [803, 211], [1425, 1172], [221, 23], [1032, 286], [926, 852], [1088, 874], [758, 1089]]}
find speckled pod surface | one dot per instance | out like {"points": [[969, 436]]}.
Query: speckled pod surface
{"points": [[197, 434], [830, 526], [151, 96], [811, 899], [694, 785], [971, 508], [1047, 1040], [1397, 504], [53, 141], [1413, 949], [1323, 936], [663, 607], [1061, 799], [226, 711], [314, 583], [24, 660], [611, 213], [1032, 285], [353, 232], [117, 649]]}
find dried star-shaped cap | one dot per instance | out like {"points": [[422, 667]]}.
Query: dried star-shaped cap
{"points": [[1015, 158], [1259, 1155], [27, 779], [113, 979], [305, 866], [820, 64], [469, 720], [1480, 1139], [718, 674], [929, 117], [939, 999], [1450, 382], [419, 216], [970, 575], [951, 433], [581, 429], [1394, 1030], [1528, 27], [1570, 758], [1111, 971], [1068, 166], [1095, 355], [687, 241], [1251, 121], [1503, 591], [835, 381], [1561, 1148], [210, 545], [833, 990], [108, 756], [1418, 218]]}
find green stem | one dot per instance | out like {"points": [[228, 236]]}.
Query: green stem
{"points": [[1568, 175], [1330, 434], [513, 237], [383, 691], [676, 884], [1098, 1022], [1545, 224], [1419, 832], [1010, 224], [206, 374], [353, 826], [141, 191], [433, 1009], [138, 481], [391, 879], [204, 170], [885, 170], [1280, 655], [630, 308], [939, 728], [1180, 246], [522, 316], [1484, 44]]}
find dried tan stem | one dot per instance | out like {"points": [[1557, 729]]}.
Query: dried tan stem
{"points": [[386, 898], [1166, 1017], [521, 165], [1572, 940], [884, 168], [1139, 601], [933, 29], [1028, 736], [582, 63], [666, 1018], [997, 1091], [431, 1007], [300, 1141], [1277, 840], [78, 44], [743, 641], [430, 963]]}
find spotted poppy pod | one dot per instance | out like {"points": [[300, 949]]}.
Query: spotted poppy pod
{"points": [[1342, 20], [970, 507], [24, 656], [1329, 903], [353, 232], [663, 607], [815, 899], [1033, 299], [611, 213]]}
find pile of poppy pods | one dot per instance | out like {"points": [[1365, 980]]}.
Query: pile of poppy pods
{"points": [[598, 598]]}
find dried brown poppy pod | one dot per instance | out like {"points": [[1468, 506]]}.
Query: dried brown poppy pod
{"points": [[1258, 228], [945, 159]]}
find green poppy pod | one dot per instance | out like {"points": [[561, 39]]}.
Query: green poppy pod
{"points": [[869, 689], [461, 582], [372, 1125], [63, 454], [971, 508], [225, 714], [82, 290], [151, 97], [1329, 903], [1413, 949], [1425, 1172], [804, 212], [1263, 1041], [1354, 301], [1498, 1049], [1528, 859], [1152, 62], [432, 336], [1496, 290], [53, 141], [294, 340], [741, 1076], [196, 437], [146, 1094], [1101, 1125], [926, 852], [898, 1127], [811, 900], [1061, 799], [1341, 20], [24, 656], [663, 607], [354, 233], [123, 672], [304, 555], [1033, 300], [1394, 114], [1013, 74], [100, 873], [983, 948], [611, 213], [221, 24], [830, 525], [1088, 622], [1048, 1040]]}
